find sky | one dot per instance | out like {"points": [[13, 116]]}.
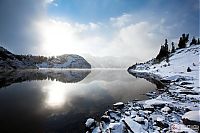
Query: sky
{"points": [[118, 28]]}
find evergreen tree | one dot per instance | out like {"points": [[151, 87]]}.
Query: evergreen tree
{"points": [[166, 46], [164, 52], [198, 41], [183, 41], [194, 41], [173, 48]]}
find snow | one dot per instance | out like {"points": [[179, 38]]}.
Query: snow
{"points": [[139, 119], [180, 100], [192, 115], [118, 104], [116, 127], [134, 126], [65, 61], [156, 102], [89, 122], [165, 109]]}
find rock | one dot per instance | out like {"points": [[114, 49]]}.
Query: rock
{"points": [[115, 115], [118, 105], [166, 110], [133, 126], [90, 124], [189, 69], [186, 83], [152, 94], [148, 107], [165, 81], [140, 120], [127, 113], [105, 119], [186, 91], [162, 124], [116, 128], [133, 114], [191, 118]]}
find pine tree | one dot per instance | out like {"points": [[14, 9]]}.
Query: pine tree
{"points": [[198, 41], [194, 41], [183, 41], [166, 46], [173, 48], [164, 52]]}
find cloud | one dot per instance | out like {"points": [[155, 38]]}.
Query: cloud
{"points": [[27, 28], [60, 37], [137, 40], [17, 31], [121, 20]]}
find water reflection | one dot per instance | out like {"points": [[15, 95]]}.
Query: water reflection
{"points": [[61, 100], [62, 75], [56, 94]]}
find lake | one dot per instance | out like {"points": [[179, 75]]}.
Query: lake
{"points": [[60, 100]]}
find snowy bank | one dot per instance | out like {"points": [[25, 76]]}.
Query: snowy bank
{"points": [[175, 110]]}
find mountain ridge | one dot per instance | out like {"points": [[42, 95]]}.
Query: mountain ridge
{"points": [[10, 61]]}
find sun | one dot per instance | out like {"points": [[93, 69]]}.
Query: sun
{"points": [[57, 38]]}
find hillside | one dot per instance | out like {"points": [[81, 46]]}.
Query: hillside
{"points": [[65, 61], [176, 67], [10, 61]]}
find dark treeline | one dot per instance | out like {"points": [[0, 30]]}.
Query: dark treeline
{"points": [[164, 52]]}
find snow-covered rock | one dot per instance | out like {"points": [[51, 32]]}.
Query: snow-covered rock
{"points": [[90, 123], [116, 127], [192, 116], [166, 110], [118, 105], [133, 126]]}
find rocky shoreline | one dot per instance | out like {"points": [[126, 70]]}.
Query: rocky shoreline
{"points": [[161, 114], [176, 109]]}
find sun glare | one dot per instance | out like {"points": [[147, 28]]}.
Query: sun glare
{"points": [[56, 94], [57, 37]]}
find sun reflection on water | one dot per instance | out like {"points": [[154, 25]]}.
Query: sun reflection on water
{"points": [[56, 94]]}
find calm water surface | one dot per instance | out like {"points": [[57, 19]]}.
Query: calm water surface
{"points": [[60, 101]]}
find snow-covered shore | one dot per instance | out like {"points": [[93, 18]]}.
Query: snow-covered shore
{"points": [[177, 109]]}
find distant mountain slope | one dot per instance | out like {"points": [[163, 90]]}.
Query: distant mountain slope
{"points": [[10, 61], [65, 61]]}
